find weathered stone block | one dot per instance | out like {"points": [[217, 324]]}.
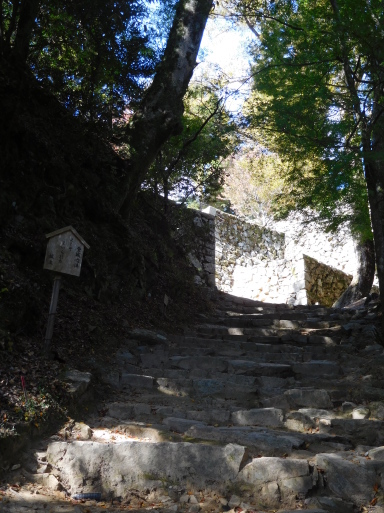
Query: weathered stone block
{"points": [[350, 480], [271, 417], [116, 468], [269, 469], [311, 398]]}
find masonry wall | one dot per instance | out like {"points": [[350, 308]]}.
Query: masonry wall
{"points": [[324, 284], [334, 249], [251, 261]]}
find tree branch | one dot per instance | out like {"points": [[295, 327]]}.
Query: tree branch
{"points": [[189, 141], [159, 114], [347, 68]]}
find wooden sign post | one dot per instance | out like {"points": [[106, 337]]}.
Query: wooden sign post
{"points": [[166, 302], [64, 255]]}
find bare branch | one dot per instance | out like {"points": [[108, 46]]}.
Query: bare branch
{"points": [[183, 150]]}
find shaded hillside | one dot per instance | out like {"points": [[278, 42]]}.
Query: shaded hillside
{"points": [[55, 172]]}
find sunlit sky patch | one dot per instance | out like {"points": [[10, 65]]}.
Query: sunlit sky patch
{"points": [[224, 53]]}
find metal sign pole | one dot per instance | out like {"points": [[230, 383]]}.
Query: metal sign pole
{"points": [[52, 314]]}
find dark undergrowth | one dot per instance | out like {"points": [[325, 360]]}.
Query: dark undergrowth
{"points": [[57, 171]]}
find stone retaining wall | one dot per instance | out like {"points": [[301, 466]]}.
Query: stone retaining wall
{"points": [[334, 249], [324, 284], [254, 262]]}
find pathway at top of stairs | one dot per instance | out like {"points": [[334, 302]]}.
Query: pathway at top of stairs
{"points": [[259, 408]]}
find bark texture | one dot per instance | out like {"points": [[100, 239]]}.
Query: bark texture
{"points": [[28, 13], [374, 172], [362, 281], [160, 112]]}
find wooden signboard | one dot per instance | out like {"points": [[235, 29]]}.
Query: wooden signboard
{"points": [[64, 255], [65, 251]]}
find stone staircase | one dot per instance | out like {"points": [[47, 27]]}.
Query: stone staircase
{"points": [[260, 407]]}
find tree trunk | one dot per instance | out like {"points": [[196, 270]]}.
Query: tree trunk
{"points": [[362, 280], [28, 13], [6, 36], [159, 114], [372, 134], [374, 173]]}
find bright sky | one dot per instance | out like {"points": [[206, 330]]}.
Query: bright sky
{"points": [[223, 53], [224, 48]]}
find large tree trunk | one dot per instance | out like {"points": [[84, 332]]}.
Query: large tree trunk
{"points": [[160, 112], [374, 173], [363, 278], [372, 134], [28, 13], [373, 147]]}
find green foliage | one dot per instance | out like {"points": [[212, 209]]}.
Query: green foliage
{"points": [[95, 56], [36, 409], [92, 55], [304, 108], [192, 164], [254, 179]]}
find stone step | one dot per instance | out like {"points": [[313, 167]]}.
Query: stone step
{"points": [[262, 321], [316, 510], [295, 398], [209, 388], [185, 377], [239, 302], [183, 370], [217, 331], [132, 411], [279, 310], [315, 368], [233, 340], [249, 368], [301, 394], [289, 315], [136, 381], [119, 467], [254, 398], [350, 476], [219, 361], [252, 429], [258, 352], [308, 345], [361, 431], [267, 417], [211, 331], [264, 441], [115, 468]]}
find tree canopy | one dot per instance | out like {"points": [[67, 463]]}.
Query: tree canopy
{"points": [[94, 56], [318, 103], [192, 165]]}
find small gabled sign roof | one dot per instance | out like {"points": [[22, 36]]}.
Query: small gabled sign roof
{"points": [[68, 229]]}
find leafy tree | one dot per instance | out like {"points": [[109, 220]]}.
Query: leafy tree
{"points": [[318, 100], [191, 165], [254, 180], [158, 116], [94, 56]]}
